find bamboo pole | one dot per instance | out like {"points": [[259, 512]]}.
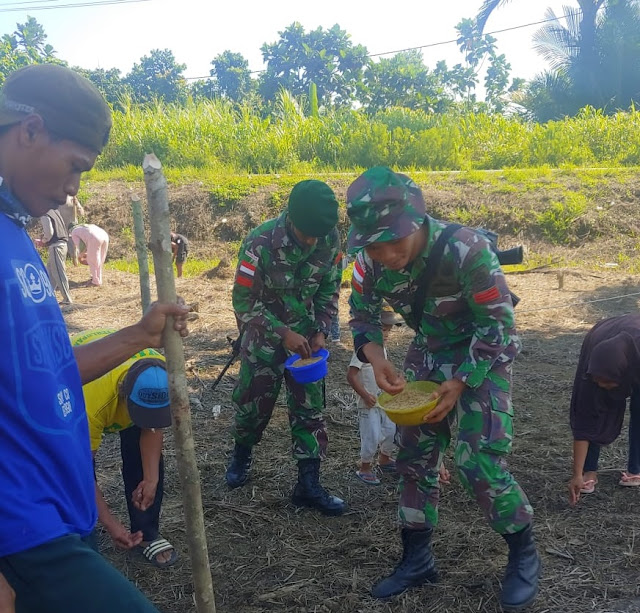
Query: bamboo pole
{"points": [[141, 252], [74, 221], [160, 245]]}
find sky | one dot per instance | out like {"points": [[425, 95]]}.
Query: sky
{"points": [[117, 36]]}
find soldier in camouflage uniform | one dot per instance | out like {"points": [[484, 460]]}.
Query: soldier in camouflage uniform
{"points": [[466, 341], [284, 296]]}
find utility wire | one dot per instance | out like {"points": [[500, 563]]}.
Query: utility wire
{"points": [[68, 6], [519, 310], [577, 303], [438, 44], [455, 40], [12, 4]]}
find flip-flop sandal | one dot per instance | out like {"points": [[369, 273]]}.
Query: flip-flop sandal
{"points": [[156, 547], [390, 467], [588, 489], [368, 478], [628, 481]]}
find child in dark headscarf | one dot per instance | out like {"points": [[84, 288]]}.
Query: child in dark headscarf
{"points": [[608, 373]]}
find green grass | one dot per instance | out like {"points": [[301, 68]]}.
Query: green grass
{"points": [[218, 137], [556, 220], [192, 267]]}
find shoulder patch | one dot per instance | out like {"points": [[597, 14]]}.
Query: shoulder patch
{"points": [[488, 295], [246, 273], [358, 275]]}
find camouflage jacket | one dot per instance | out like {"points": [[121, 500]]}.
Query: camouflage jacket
{"points": [[281, 286], [468, 316]]}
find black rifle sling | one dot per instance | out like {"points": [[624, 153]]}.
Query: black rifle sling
{"points": [[426, 276]]}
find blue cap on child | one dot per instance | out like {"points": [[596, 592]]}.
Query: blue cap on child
{"points": [[146, 388]]}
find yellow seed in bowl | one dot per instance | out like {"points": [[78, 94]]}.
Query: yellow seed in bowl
{"points": [[408, 399], [413, 403], [305, 362]]}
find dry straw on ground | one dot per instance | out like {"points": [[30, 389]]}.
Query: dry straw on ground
{"points": [[268, 556]]}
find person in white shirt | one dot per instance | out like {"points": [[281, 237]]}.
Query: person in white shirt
{"points": [[377, 431]]}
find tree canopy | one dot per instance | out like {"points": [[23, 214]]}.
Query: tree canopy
{"points": [[327, 58], [593, 57], [158, 75], [24, 46]]}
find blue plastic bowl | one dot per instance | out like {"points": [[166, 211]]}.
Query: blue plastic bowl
{"points": [[311, 372]]}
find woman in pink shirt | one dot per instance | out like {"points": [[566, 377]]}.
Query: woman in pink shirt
{"points": [[94, 253]]}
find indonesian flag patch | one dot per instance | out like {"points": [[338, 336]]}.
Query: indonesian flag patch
{"points": [[488, 295], [358, 276], [246, 273]]}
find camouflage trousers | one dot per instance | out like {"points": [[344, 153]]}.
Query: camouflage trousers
{"points": [[255, 396], [485, 430]]}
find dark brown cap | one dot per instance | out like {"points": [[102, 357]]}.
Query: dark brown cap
{"points": [[70, 105]]}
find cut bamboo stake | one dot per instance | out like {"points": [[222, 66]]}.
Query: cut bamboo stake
{"points": [[72, 245], [141, 251], [160, 245]]}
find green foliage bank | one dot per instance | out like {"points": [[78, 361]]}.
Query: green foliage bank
{"points": [[217, 134]]}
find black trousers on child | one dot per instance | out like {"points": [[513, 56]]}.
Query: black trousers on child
{"points": [[148, 521], [633, 463]]}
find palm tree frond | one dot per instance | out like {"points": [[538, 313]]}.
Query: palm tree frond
{"points": [[557, 44], [485, 11]]}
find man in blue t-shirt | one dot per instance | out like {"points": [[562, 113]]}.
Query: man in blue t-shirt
{"points": [[53, 125]]}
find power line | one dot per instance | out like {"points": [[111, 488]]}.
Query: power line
{"points": [[12, 4], [455, 40], [68, 6], [564, 305], [438, 44]]}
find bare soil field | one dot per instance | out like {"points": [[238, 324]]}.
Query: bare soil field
{"points": [[268, 556]]}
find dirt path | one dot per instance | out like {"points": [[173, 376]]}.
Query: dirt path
{"points": [[267, 556]]}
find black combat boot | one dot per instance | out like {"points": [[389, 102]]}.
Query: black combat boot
{"points": [[309, 493], [417, 566], [520, 583], [238, 469]]}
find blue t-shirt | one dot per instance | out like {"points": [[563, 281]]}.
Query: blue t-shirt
{"points": [[46, 470]]}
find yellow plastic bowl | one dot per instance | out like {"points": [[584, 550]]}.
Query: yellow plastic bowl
{"points": [[412, 416]]}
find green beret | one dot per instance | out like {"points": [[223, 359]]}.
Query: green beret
{"points": [[313, 208], [70, 105]]}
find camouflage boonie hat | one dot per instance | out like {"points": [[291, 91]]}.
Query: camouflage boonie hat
{"points": [[382, 206]]}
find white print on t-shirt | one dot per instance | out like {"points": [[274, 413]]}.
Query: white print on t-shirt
{"points": [[64, 402], [34, 283]]}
